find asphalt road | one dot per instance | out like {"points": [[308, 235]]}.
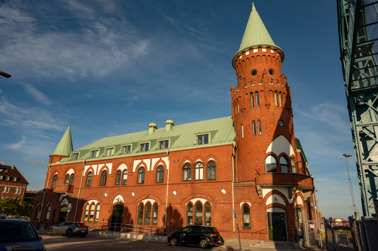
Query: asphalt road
{"points": [[60, 243]]}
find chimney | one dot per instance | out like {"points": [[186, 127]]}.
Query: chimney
{"points": [[152, 128], [168, 125]]}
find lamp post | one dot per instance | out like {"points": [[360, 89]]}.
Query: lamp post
{"points": [[356, 215], [4, 74]]}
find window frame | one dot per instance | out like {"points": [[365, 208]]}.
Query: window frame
{"points": [[246, 216], [211, 170], [257, 99], [126, 147], [203, 139], [141, 175], [103, 177], [198, 171], [75, 156], [160, 174], [165, 146], [118, 177], [123, 179], [109, 151], [271, 167], [55, 180], [88, 182], [95, 153], [187, 172]]}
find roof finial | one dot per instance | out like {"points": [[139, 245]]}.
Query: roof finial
{"points": [[253, 5]]}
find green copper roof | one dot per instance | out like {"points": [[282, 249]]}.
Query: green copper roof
{"points": [[220, 131], [65, 145], [255, 33]]}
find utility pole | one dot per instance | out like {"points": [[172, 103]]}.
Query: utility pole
{"points": [[356, 215]]}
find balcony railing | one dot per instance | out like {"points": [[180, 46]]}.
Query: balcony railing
{"points": [[63, 188], [285, 179]]}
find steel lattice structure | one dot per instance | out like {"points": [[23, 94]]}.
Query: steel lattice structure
{"points": [[358, 35]]}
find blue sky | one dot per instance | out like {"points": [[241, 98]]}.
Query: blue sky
{"points": [[112, 67]]}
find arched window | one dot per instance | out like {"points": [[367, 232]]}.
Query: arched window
{"points": [[141, 175], [155, 214], [48, 212], [147, 214], [211, 170], [293, 168], [237, 102], [55, 180], [199, 171], [72, 179], [198, 213], [246, 216], [104, 174], [66, 179], [253, 127], [124, 177], [140, 214], [39, 209], [259, 126], [91, 212], [160, 174], [187, 172], [270, 164], [86, 212], [89, 179], [97, 212], [252, 102], [284, 165], [189, 214], [257, 99], [118, 177], [207, 214]]}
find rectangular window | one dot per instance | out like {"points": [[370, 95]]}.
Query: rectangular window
{"points": [[109, 151], [259, 126], [144, 147], [280, 99], [242, 131], [126, 149], [75, 156], [163, 144], [257, 99], [203, 139], [252, 102], [275, 99], [94, 154]]}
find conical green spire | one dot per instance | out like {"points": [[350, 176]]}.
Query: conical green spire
{"points": [[65, 145], [255, 33]]}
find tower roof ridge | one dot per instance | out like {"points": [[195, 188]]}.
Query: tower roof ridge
{"points": [[65, 144]]}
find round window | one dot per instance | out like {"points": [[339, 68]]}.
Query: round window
{"points": [[254, 72], [281, 123], [271, 71]]}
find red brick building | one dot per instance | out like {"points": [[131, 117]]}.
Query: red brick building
{"points": [[12, 183], [246, 171]]}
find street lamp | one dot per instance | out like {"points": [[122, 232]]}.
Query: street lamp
{"points": [[356, 215], [4, 74]]}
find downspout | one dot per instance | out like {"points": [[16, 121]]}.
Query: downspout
{"points": [[78, 196], [166, 198], [233, 191]]}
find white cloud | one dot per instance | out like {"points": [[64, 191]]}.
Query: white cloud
{"points": [[18, 145], [36, 94]]}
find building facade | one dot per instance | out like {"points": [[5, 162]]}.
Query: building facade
{"points": [[245, 172], [12, 183]]}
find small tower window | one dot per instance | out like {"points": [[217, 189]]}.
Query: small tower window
{"points": [[254, 72], [271, 71], [275, 99], [253, 127], [257, 99], [242, 131], [280, 99], [252, 102], [259, 126]]}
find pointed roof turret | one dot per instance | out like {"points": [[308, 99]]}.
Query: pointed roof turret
{"points": [[255, 34], [65, 145]]}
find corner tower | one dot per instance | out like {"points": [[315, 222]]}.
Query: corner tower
{"points": [[261, 105]]}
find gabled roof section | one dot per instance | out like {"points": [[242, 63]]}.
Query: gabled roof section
{"points": [[220, 132], [11, 172], [64, 147]]}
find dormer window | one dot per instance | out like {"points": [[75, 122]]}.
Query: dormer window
{"points": [[163, 144], [14, 179], [94, 154], [109, 151], [8, 178], [75, 156], [144, 147], [203, 139], [126, 149]]}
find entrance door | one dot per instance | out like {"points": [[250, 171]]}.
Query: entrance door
{"points": [[277, 226], [63, 214], [117, 218]]}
